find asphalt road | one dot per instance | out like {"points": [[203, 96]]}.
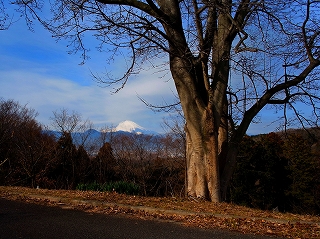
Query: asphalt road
{"points": [[32, 221]]}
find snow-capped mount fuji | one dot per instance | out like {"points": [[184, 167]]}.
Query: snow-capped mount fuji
{"points": [[129, 126], [132, 127]]}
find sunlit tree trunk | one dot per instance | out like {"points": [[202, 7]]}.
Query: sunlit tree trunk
{"points": [[203, 100], [202, 134], [202, 162]]}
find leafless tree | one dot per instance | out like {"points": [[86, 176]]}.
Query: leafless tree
{"points": [[5, 21], [72, 123], [155, 163], [174, 126], [174, 123], [25, 150], [63, 121], [134, 154], [272, 47]]}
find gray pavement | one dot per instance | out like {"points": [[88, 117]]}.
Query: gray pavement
{"points": [[32, 221]]}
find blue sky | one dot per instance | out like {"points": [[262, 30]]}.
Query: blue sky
{"points": [[37, 71]]}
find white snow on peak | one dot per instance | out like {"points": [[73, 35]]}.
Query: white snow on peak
{"points": [[128, 126]]}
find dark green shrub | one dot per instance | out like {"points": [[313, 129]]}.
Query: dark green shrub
{"points": [[124, 187], [94, 186]]}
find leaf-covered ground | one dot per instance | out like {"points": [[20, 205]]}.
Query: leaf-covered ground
{"points": [[188, 212]]}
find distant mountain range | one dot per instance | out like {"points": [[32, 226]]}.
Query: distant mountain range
{"points": [[125, 127]]}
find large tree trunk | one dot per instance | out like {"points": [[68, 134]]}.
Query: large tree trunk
{"points": [[202, 160], [202, 147], [202, 96]]}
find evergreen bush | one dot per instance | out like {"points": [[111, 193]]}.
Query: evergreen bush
{"points": [[124, 187]]}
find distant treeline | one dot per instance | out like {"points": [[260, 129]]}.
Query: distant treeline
{"points": [[31, 156], [279, 171]]}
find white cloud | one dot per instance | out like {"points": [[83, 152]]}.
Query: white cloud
{"points": [[36, 70], [46, 93]]}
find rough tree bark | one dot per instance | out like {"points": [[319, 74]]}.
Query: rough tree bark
{"points": [[202, 97]]}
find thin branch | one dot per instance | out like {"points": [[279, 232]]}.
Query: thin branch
{"points": [[159, 108], [287, 98], [124, 78], [303, 28]]}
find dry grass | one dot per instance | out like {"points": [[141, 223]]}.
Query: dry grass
{"points": [[189, 212]]}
